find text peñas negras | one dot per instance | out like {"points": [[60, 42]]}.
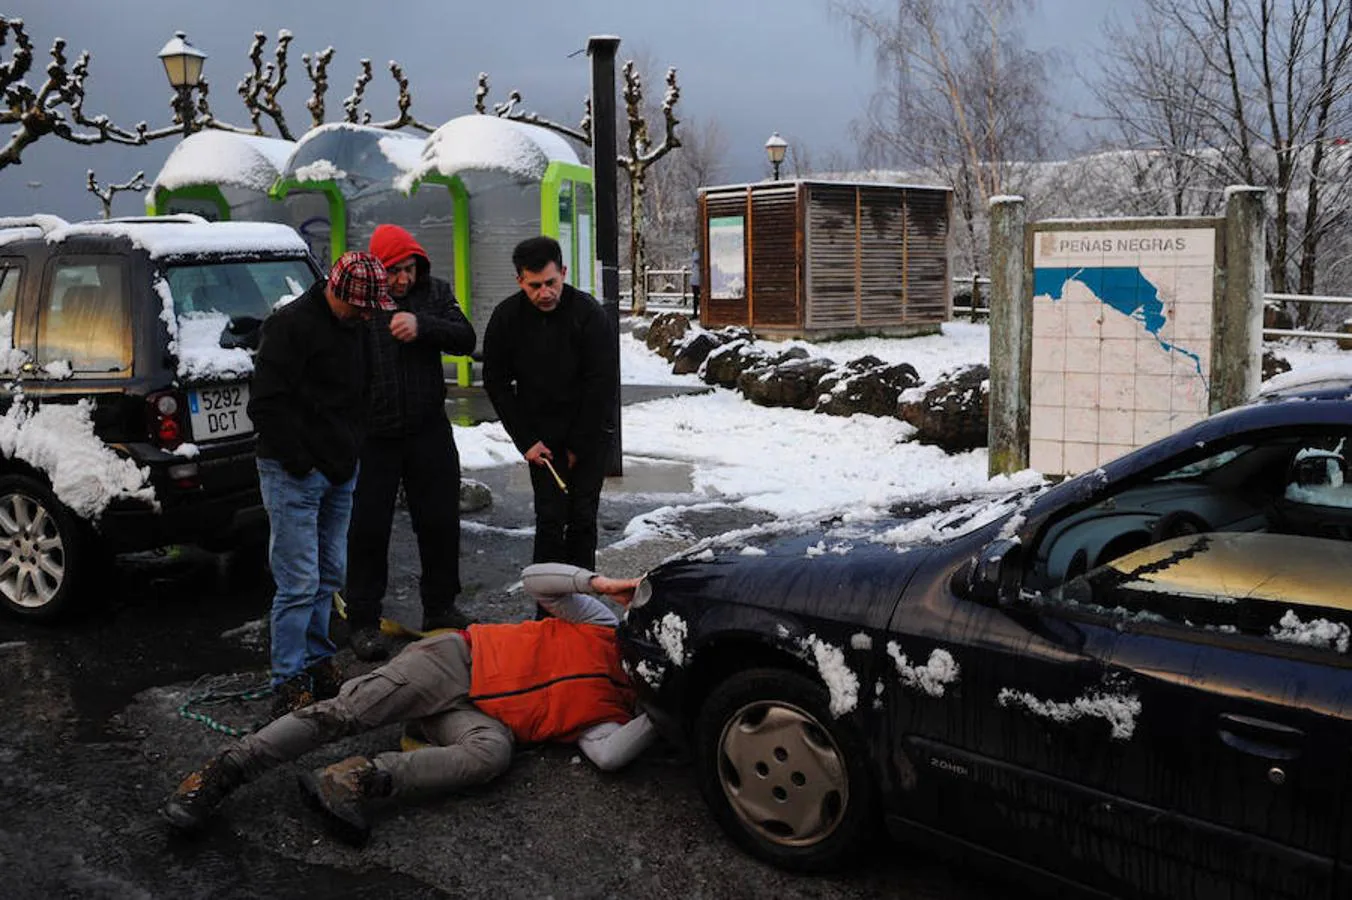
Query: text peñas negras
{"points": [[1143, 244]]}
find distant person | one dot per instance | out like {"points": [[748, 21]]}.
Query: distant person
{"points": [[308, 403], [550, 371], [472, 695], [408, 439], [694, 284]]}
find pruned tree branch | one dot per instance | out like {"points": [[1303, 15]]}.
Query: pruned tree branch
{"points": [[259, 88], [508, 110], [404, 102], [106, 194], [352, 103], [318, 71]]}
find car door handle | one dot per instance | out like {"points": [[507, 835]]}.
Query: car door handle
{"points": [[1259, 737]]}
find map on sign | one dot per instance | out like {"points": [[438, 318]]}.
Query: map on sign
{"points": [[1122, 331]]}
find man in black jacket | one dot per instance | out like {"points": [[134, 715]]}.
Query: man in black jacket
{"points": [[409, 438], [549, 368], [308, 402]]}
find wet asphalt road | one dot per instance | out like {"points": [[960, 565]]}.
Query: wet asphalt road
{"points": [[91, 741]]}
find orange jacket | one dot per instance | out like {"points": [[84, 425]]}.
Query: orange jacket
{"points": [[549, 680]]}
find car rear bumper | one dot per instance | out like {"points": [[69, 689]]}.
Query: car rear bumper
{"points": [[214, 522]]}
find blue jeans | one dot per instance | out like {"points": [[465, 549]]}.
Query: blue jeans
{"points": [[307, 548]]}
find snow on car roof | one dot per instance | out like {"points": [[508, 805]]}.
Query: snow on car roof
{"points": [[491, 143], [1331, 372], [221, 157], [180, 235]]}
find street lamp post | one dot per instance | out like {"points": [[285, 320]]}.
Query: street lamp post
{"points": [[775, 148], [183, 65]]}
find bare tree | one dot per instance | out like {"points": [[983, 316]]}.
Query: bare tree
{"points": [[1264, 85], [106, 194], [640, 153], [57, 106], [959, 95]]}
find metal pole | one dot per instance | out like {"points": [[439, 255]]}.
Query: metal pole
{"points": [[601, 49]]}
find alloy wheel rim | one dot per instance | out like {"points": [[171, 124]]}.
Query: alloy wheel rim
{"points": [[783, 774], [32, 554]]}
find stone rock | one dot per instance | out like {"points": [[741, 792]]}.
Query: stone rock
{"points": [[953, 413], [1276, 315], [865, 385], [725, 364], [1273, 365], [791, 383], [692, 352], [639, 330], [474, 496], [665, 331]]}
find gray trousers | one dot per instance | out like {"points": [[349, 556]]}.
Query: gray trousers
{"points": [[426, 685]]}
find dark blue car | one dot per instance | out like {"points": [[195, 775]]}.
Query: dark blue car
{"points": [[1136, 681]]}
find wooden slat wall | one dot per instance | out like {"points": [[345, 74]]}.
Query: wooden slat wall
{"points": [[774, 269], [926, 226], [830, 296], [716, 313], [882, 266]]}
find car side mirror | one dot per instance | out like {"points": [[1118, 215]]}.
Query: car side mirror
{"points": [[996, 575]]}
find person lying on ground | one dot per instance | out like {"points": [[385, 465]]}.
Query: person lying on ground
{"points": [[470, 695]]}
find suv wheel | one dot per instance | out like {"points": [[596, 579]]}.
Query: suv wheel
{"points": [[39, 549]]}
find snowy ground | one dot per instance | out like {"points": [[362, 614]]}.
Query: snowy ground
{"points": [[797, 464]]}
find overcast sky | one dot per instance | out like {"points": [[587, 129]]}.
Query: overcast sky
{"points": [[754, 66]]}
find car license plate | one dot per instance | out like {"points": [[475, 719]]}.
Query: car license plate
{"points": [[219, 412]]}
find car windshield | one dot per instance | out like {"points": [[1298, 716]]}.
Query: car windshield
{"points": [[237, 289]]}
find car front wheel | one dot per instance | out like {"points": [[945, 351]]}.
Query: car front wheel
{"points": [[39, 549], [787, 781]]}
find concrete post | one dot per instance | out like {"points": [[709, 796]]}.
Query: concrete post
{"points": [[1011, 321], [1237, 324]]}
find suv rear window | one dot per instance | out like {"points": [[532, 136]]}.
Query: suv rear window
{"points": [[85, 319], [237, 289]]}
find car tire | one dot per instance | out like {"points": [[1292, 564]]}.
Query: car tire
{"points": [[787, 781], [44, 549]]}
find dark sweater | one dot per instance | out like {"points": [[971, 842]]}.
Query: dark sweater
{"points": [[308, 396], [408, 387], [552, 376]]}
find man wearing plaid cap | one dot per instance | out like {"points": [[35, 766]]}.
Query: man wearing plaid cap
{"points": [[308, 405]]}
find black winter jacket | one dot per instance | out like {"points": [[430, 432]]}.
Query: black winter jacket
{"points": [[308, 397], [552, 376], [408, 387]]}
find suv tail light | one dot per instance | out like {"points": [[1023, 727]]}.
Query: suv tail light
{"points": [[167, 418]]}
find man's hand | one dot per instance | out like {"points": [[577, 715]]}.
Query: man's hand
{"points": [[621, 590], [572, 460], [538, 453], [404, 326]]}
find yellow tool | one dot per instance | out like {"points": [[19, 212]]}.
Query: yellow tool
{"points": [[557, 480]]}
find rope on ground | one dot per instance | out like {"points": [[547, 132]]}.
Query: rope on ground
{"points": [[219, 690]]}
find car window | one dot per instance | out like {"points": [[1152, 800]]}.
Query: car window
{"points": [[85, 318], [1202, 466], [10, 273], [1282, 587], [237, 289]]}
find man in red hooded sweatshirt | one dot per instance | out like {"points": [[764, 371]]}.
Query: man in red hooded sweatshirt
{"points": [[409, 439]]}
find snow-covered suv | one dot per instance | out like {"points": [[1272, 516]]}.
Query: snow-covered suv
{"points": [[125, 358]]}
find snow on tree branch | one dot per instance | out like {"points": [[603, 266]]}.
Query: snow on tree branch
{"points": [[318, 71], [259, 88]]}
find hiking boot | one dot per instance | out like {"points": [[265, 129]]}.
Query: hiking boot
{"points": [[295, 693], [446, 618], [337, 793], [191, 804], [369, 644], [326, 677]]}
